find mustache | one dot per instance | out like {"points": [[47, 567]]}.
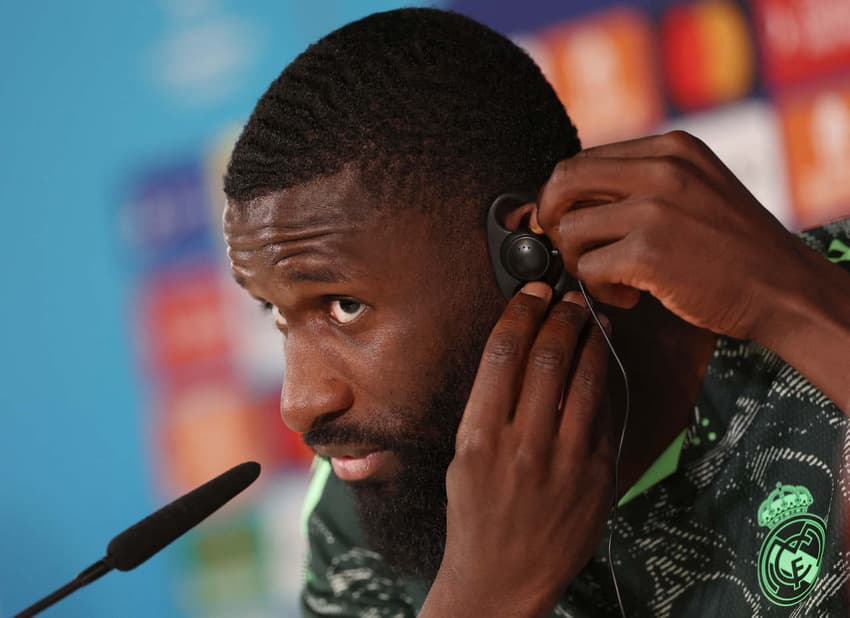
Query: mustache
{"points": [[348, 433]]}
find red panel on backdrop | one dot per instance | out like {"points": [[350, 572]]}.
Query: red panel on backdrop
{"points": [[707, 54], [287, 446], [802, 39], [181, 319]]}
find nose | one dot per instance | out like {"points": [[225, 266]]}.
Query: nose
{"points": [[311, 388]]}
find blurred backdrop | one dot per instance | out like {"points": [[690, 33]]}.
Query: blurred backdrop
{"points": [[134, 369]]}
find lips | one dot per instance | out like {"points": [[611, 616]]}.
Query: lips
{"points": [[361, 463]]}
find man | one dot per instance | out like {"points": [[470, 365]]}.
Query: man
{"points": [[471, 441]]}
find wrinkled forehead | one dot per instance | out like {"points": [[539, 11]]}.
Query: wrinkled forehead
{"points": [[329, 222], [334, 201]]}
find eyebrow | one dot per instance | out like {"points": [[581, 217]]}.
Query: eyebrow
{"points": [[315, 275]]}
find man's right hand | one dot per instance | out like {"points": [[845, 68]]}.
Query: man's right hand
{"points": [[531, 483]]}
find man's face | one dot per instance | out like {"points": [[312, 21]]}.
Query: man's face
{"points": [[384, 322]]}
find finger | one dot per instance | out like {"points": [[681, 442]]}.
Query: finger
{"points": [[497, 383], [602, 448], [585, 392], [587, 228], [614, 294], [602, 437], [592, 180], [549, 364], [576, 181], [673, 144], [630, 262]]}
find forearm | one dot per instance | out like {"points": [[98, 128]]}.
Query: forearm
{"points": [[810, 327]]}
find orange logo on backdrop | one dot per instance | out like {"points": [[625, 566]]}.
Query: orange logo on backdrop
{"points": [[204, 429], [817, 135], [603, 71]]}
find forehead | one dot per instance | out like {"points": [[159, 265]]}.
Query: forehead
{"points": [[336, 200], [297, 233]]}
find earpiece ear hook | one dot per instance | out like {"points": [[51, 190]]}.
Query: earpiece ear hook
{"points": [[521, 256]]}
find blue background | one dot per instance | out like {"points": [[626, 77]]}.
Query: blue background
{"points": [[101, 100], [81, 107]]}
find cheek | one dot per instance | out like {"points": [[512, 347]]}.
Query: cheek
{"points": [[396, 368]]}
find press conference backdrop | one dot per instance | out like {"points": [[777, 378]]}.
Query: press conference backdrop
{"points": [[134, 367]]}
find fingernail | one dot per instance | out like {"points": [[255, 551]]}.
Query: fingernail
{"points": [[537, 288], [563, 227], [534, 223], [573, 297], [606, 323]]}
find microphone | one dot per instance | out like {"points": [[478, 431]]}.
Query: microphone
{"points": [[142, 540]]}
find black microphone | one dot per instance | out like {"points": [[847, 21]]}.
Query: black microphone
{"points": [[142, 540]]}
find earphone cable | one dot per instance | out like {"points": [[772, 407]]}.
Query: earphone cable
{"points": [[614, 505]]}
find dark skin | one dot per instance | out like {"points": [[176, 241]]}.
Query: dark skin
{"points": [[668, 218], [383, 359], [660, 220]]}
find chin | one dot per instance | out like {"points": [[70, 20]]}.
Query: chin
{"points": [[404, 519]]}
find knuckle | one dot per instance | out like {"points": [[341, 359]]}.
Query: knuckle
{"points": [[472, 445], [589, 376], [548, 358], [569, 314], [644, 248], [673, 172], [563, 170], [584, 385], [520, 309], [639, 245], [527, 464], [570, 223], [655, 210], [597, 340], [681, 142], [504, 348]]}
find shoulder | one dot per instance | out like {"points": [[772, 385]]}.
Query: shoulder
{"points": [[343, 576]]}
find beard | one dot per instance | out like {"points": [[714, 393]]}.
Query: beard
{"points": [[404, 519]]}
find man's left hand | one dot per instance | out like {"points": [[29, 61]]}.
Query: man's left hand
{"points": [[662, 214]]}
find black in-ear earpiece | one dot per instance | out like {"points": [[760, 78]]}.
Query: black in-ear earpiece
{"points": [[521, 256]]}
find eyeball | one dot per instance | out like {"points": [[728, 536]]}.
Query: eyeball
{"points": [[345, 310]]}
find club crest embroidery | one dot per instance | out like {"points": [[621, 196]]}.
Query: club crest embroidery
{"points": [[790, 556]]}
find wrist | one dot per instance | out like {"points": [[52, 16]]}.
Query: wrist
{"points": [[459, 592], [808, 325]]}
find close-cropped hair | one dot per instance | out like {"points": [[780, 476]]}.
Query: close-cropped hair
{"points": [[429, 106]]}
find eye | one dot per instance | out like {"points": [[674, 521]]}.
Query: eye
{"points": [[345, 310]]}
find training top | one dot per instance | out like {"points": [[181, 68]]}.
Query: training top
{"points": [[743, 515]]}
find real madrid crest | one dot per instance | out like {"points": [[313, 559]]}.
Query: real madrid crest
{"points": [[790, 556]]}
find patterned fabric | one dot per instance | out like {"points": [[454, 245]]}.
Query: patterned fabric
{"points": [[750, 524]]}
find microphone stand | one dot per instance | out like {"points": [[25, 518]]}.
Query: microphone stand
{"points": [[143, 539], [95, 571]]}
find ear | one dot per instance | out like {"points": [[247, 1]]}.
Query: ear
{"points": [[524, 216]]}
